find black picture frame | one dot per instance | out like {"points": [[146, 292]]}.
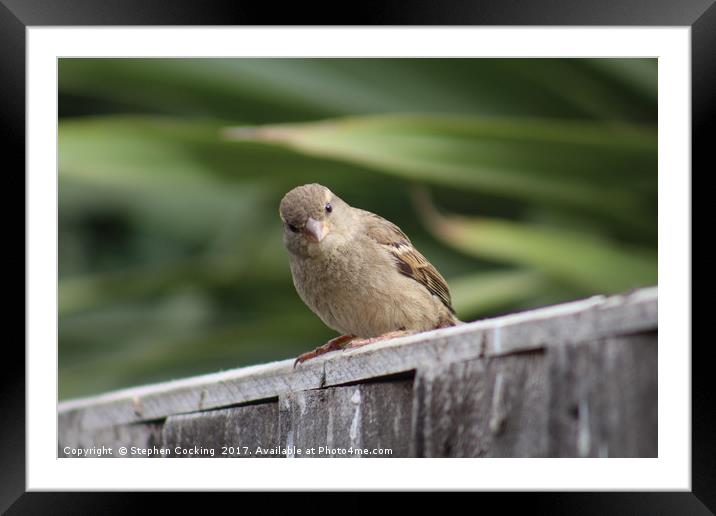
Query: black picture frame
{"points": [[17, 15]]}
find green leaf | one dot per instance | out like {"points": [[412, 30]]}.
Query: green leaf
{"points": [[588, 262], [484, 292], [566, 163], [273, 90]]}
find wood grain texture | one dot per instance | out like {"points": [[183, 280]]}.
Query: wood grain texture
{"points": [[491, 407], [250, 431], [349, 421], [139, 439], [603, 398], [598, 399], [573, 380], [580, 321]]}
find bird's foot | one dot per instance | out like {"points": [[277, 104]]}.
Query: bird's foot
{"points": [[331, 345], [357, 343]]}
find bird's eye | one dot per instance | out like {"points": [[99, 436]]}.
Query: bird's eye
{"points": [[329, 208], [292, 227]]}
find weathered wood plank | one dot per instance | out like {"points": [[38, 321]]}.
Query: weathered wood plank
{"points": [[128, 440], [581, 321], [603, 398], [366, 420], [491, 407], [597, 399], [249, 431]]}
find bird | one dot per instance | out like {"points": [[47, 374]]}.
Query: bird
{"points": [[358, 272]]}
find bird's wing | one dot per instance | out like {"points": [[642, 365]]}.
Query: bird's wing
{"points": [[408, 260]]}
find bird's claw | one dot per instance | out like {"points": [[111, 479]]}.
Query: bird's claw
{"points": [[331, 345], [303, 357]]}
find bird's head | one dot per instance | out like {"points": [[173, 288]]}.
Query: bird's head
{"points": [[313, 217]]}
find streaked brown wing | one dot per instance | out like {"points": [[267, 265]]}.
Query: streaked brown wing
{"points": [[407, 259]]}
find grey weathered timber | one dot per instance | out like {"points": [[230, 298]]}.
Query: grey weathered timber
{"points": [[483, 408], [358, 417], [571, 380], [224, 432], [596, 399], [138, 439]]}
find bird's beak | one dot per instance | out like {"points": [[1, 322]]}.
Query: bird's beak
{"points": [[315, 230]]}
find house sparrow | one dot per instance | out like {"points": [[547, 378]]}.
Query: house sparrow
{"points": [[359, 272]]}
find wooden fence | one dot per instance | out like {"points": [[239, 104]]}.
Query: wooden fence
{"points": [[572, 380]]}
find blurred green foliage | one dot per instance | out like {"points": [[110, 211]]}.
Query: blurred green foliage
{"points": [[525, 181]]}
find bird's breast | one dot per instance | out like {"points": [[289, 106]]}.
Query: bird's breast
{"points": [[326, 281], [363, 295]]}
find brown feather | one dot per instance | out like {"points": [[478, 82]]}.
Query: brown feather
{"points": [[408, 260]]}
